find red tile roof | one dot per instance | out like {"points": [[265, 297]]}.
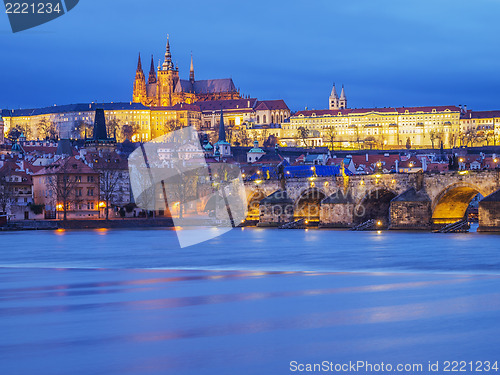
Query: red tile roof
{"points": [[481, 114], [272, 105], [217, 105], [334, 112], [70, 165]]}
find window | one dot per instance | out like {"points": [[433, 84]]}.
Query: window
{"points": [[90, 192], [90, 178]]}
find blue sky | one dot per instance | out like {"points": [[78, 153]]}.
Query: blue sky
{"points": [[386, 52]]}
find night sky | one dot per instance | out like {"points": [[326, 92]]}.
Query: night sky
{"points": [[387, 53]]}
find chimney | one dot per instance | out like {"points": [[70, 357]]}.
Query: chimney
{"points": [[424, 164]]}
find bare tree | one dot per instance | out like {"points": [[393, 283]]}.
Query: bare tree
{"points": [[110, 168], [16, 131], [83, 130], [6, 191], [112, 127], [433, 136], [62, 187], [243, 137], [370, 141], [302, 134], [490, 136], [331, 134], [47, 129], [172, 125]]}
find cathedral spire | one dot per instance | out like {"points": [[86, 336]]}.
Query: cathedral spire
{"points": [[334, 92], [191, 70], [152, 72], [342, 93], [139, 64], [222, 130], [343, 99], [139, 92], [168, 64]]}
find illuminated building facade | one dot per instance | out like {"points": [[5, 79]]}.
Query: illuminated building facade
{"points": [[164, 87], [70, 121], [377, 127], [2, 133], [67, 182], [479, 128]]}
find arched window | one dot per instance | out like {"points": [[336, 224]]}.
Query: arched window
{"points": [[258, 119], [264, 119], [272, 119]]}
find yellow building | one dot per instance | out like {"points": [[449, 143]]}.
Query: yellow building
{"points": [[1, 130], [164, 88], [165, 119], [376, 127], [70, 121], [479, 128]]}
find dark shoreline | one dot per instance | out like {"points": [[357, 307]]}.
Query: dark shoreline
{"points": [[88, 224]]}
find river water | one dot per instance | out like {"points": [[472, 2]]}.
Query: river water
{"points": [[252, 301]]}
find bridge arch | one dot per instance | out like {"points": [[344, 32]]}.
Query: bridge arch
{"points": [[375, 205], [307, 205], [451, 204]]}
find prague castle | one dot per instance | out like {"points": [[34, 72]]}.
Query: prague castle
{"points": [[164, 88]]}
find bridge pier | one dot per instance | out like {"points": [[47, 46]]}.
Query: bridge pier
{"points": [[276, 209], [411, 210], [337, 211], [489, 213]]}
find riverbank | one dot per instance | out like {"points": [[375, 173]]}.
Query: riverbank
{"points": [[88, 224]]}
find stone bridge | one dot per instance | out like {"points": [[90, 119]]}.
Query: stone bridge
{"points": [[395, 201]]}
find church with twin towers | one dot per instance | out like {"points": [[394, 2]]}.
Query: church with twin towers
{"points": [[164, 87], [337, 102]]}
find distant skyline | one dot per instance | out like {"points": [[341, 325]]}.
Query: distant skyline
{"points": [[386, 53]]}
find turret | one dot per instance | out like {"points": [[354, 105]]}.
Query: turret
{"points": [[100, 133], [343, 99], [168, 76], [191, 70], [222, 145], [168, 64], [152, 72], [334, 99], [139, 93]]}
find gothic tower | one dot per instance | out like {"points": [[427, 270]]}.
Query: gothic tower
{"points": [[222, 146], [152, 72], [343, 99], [191, 71], [168, 75], [139, 93], [334, 99]]}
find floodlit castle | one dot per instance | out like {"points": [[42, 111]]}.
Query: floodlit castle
{"points": [[164, 88]]}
